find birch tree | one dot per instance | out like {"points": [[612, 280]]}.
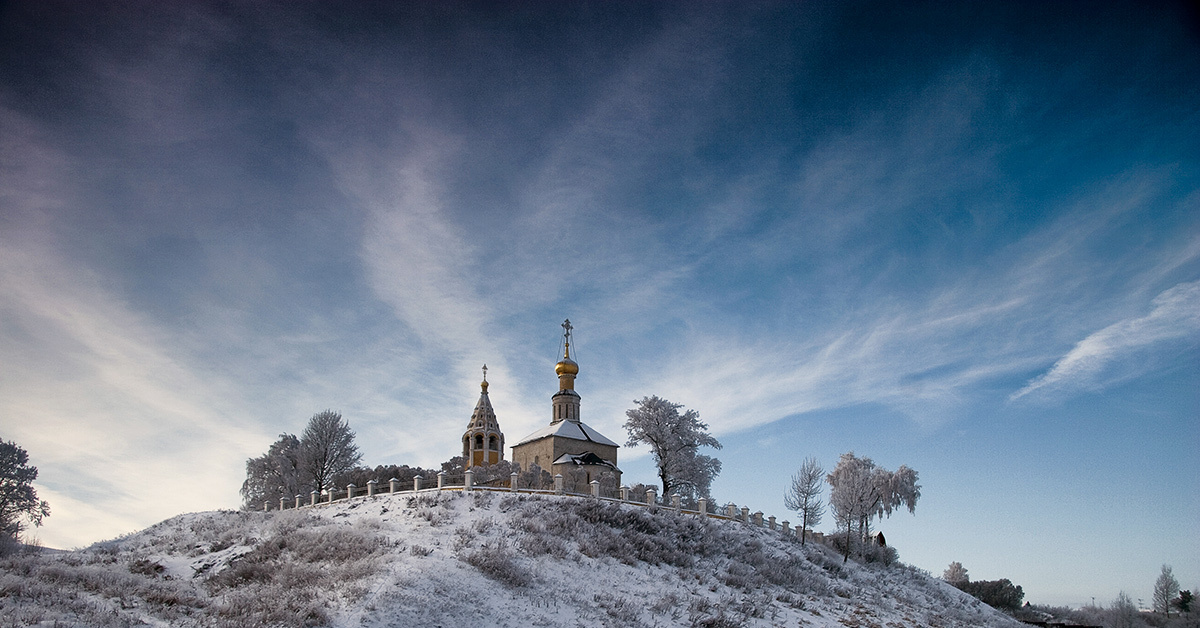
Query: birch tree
{"points": [[862, 491], [273, 474]]}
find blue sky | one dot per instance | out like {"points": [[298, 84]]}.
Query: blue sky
{"points": [[957, 237]]}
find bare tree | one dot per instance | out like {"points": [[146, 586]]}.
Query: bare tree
{"points": [[804, 495], [326, 449], [956, 573], [273, 474], [19, 502], [675, 440], [1165, 590]]}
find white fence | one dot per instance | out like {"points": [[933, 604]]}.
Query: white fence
{"points": [[731, 512]]}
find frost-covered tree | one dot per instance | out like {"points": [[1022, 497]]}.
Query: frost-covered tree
{"points": [[1165, 590], [273, 474], [326, 449], [360, 476], [862, 491], [498, 474], [19, 502], [675, 440], [1123, 613], [535, 477], [804, 495], [955, 573]]}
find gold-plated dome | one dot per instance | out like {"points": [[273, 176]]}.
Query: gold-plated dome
{"points": [[566, 366], [566, 369]]}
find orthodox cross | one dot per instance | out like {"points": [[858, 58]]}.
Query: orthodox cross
{"points": [[567, 337], [485, 372]]}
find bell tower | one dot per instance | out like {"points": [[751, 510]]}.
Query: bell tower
{"points": [[568, 446], [566, 400], [483, 442]]}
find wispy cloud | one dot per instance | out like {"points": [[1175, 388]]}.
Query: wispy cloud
{"points": [[106, 410], [1176, 315]]}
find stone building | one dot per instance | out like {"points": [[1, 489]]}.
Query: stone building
{"points": [[483, 442], [568, 444]]}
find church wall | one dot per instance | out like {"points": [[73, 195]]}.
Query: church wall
{"points": [[546, 450], [540, 452]]}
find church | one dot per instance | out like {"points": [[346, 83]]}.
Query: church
{"points": [[566, 446]]}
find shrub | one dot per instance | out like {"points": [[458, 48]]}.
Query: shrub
{"points": [[496, 562]]}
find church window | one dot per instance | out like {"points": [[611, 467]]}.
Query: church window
{"points": [[479, 441], [492, 443]]}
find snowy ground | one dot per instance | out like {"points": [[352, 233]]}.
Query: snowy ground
{"points": [[470, 559]]}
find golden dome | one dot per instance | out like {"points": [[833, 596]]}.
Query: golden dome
{"points": [[566, 367]]}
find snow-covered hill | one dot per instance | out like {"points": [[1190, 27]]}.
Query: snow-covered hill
{"points": [[470, 559]]}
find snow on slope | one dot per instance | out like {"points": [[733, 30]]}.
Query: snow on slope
{"points": [[470, 559]]}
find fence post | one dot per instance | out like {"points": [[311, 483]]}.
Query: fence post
{"points": [[441, 479], [467, 477], [651, 496], [595, 488], [745, 515], [702, 506], [786, 531], [624, 493], [313, 498], [298, 500], [417, 482], [267, 506], [758, 519], [675, 502], [392, 483], [371, 484], [771, 522], [512, 480], [731, 511], [350, 491], [558, 483], [330, 494]]}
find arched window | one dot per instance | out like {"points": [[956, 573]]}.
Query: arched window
{"points": [[479, 441], [492, 443]]}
